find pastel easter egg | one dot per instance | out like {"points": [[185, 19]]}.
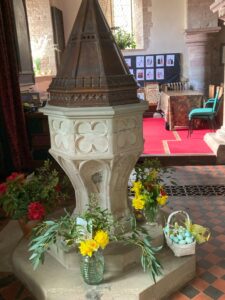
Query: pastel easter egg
{"points": [[180, 237], [182, 242], [187, 233], [189, 240], [176, 240]]}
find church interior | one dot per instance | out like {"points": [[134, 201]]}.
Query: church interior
{"points": [[119, 103]]}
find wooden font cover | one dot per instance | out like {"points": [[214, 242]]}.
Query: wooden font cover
{"points": [[93, 71]]}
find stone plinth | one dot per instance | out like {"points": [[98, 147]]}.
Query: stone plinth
{"points": [[216, 141], [118, 257], [52, 281], [97, 147]]}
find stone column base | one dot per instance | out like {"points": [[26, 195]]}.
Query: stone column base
{"points": [[216, 141]]}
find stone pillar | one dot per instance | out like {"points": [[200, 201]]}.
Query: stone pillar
{"points": [[216, 141], [97, 147], [199, 47]]}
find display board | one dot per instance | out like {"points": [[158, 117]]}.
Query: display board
{"points": [[160, 68]]}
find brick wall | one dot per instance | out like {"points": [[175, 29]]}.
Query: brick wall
{"points": [[41, 35]]}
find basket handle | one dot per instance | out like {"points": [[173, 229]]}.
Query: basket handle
{"points": [[177, 212]]}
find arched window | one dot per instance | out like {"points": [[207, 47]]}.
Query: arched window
{"points": [[128, 15], [123, 14]]}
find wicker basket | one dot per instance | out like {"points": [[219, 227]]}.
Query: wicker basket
{"points": [[179, 250]]}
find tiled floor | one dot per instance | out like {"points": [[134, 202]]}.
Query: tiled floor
{"points": [[207, 209]]}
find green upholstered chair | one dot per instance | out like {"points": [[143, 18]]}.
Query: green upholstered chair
{"points": [[208, 112]]}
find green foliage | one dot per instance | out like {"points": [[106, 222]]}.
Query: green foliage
{"points": [[124, 40], [140, 237], [41, 186], [151, 170], [37, 66], [68, 230]]}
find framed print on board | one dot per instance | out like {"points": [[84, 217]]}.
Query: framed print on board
{"points": [[140, 74], [140, 62], [160, 74], [149, 61], [128, 62], [159, 60], [149, 74], [170, 60]]}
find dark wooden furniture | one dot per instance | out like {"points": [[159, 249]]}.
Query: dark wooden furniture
{"points": [[26, 73], [58, 33], [177, 104], [38, 134]]}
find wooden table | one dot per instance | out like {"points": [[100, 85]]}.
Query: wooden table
{"points": [[176, 106]]}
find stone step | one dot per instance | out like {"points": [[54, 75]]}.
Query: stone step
{"points": [[52, 281]]}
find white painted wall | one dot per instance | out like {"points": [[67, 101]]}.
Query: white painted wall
{"points": [[168, 25], [70, 9], [167, 34]]}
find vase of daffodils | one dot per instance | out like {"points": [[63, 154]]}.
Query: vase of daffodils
{"points": [[148, 193], [149, 196], [92, 268], [88, 234]]}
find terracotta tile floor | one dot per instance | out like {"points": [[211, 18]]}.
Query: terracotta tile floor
{"points": [[207, 209]]}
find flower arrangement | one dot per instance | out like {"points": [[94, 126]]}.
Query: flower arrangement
{"points": [[89, 234], [31, 197], [149, 194]]}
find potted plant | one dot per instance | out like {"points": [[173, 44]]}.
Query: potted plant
{"points": [[88, 234], [30, 198], [124, 39]]}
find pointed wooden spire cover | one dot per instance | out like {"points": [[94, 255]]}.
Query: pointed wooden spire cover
{"points": [[93, 71]]}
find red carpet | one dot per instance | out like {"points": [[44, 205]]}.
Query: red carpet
{"points": [[158, 140]]}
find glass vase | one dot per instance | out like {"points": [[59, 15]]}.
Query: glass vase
{"points": [[152, 215], [92, 268]]}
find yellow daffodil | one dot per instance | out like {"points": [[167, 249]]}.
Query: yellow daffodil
{"points": [[88, 247], [162, 200], [153, 175], [137, 187], [102, 238], [138, 202]]}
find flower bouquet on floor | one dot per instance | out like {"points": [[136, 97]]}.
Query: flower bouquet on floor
{"points": [[88, 234], [181, 235], [148, 191], [29, 198]]}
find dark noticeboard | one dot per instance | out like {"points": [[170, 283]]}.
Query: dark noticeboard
{"points": [[160, 68]]}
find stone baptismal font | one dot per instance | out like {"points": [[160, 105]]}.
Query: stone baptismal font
{"points": [[95, 122]]}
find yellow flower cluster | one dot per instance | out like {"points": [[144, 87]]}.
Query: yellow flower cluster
{"points": [[100, 240], [138, 202], [137, 187], [88, 247], [162, 200]]}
